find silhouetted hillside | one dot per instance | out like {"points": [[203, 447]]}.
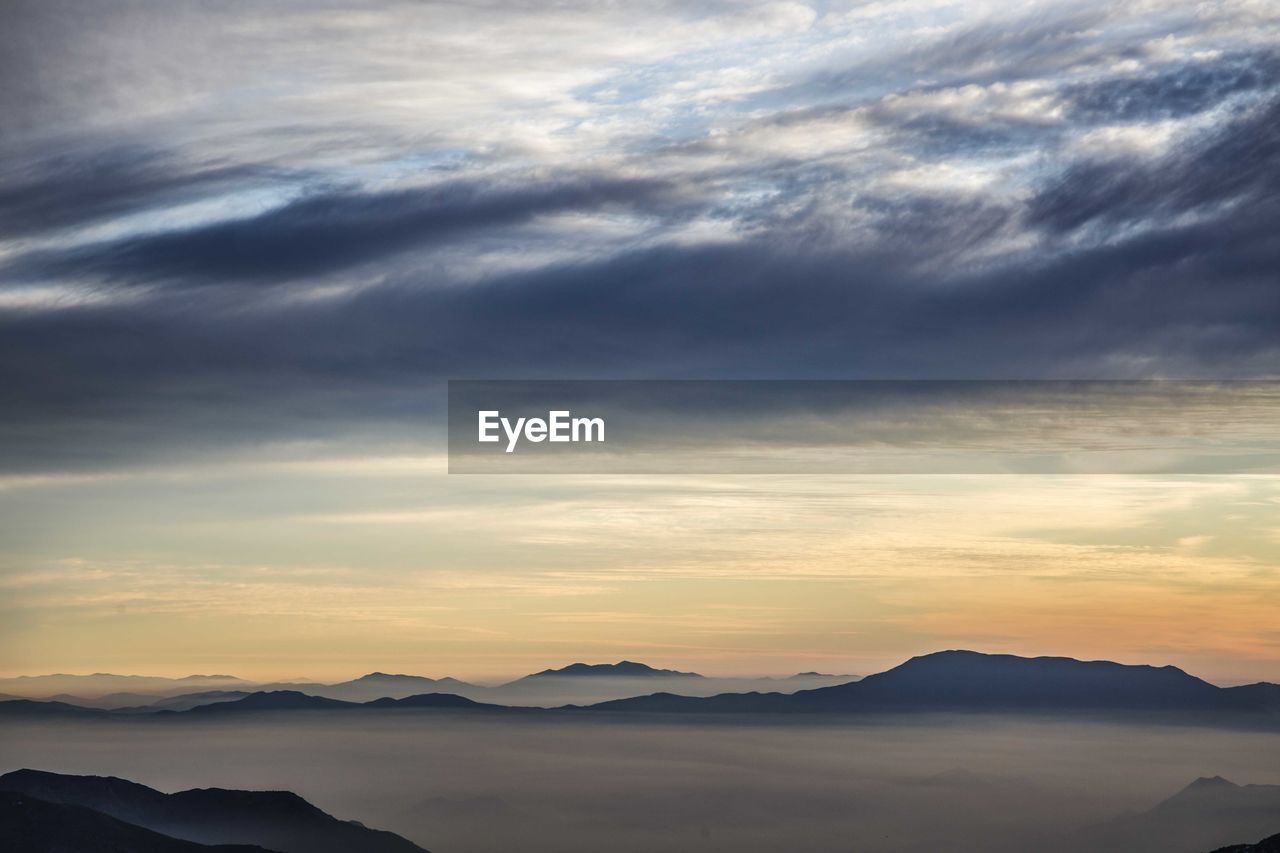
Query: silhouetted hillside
{"points": [[276, 820], [1207, 814], [100, 684], [192, 700], [33, 708], [971, 681], [1261, 696], [1266, 845], [944, 681], [621, 669], [379, 685], [277, 700], [31, 825], [434, 700], [292, 700], [967, 680], [724, 703]]}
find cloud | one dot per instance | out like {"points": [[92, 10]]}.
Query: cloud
{"points": [[1239, 165], [1170, 93], [329, 231], [936, 193]]}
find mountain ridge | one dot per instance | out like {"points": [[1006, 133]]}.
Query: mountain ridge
{"points": [[275, 820], [951, 680]]}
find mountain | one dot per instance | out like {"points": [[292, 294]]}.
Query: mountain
{"points": [[971, 681], [1266, 845], [292, 700], [723, 703], [186, 701], [1261, 696], [100, 684], [435, 700], [379, 685], [32, 708], [30, 825], [107, 702], [578, 683], [1205, 815], [277, 820], [621, 669], [586, 683], [276, 700]]}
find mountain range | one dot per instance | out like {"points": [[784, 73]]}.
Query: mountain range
{"points": [[972, 681], [51, 811], [577, 683], [949, 681]]}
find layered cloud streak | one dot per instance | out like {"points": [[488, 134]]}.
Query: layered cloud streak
{"points": [[225, 223]]}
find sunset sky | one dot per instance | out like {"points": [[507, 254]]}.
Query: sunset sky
{"points": [[243, 246]]}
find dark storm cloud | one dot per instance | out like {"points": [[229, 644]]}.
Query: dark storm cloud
{"points": [[932, 210], [1240, 166], [1183, 90], [47, 192], [1197, 298], [328, 231]]}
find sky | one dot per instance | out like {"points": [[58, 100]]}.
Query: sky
{"points": [[243, 245]]}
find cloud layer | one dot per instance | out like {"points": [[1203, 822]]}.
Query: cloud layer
{"points": [[224, 223]]}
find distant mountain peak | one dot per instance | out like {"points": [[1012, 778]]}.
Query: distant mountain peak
{"points": [[391, 676], [953, 656], [626, 668], [273, 700], [1211, 783]]}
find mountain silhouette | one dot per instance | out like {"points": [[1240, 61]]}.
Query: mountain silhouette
{"points": [[292, 700], [275, 700], [100, 684], [378, 685], [963, 681], [1205, 815], [276, 820], [30, 825], [187, 701], [435, 700], [972, 681], [1266, 845], [621, 669], [34, 708], [1261, 696]]}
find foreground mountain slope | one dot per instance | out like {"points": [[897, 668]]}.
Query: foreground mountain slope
{"points": [[276, 820], [1206, 814], [30, 825], [1266, 845]]}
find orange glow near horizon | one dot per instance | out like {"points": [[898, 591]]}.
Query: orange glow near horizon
{"points": [[341, 570]]}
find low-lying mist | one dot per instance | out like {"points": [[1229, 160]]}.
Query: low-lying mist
{"points": [[468, 784]]}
